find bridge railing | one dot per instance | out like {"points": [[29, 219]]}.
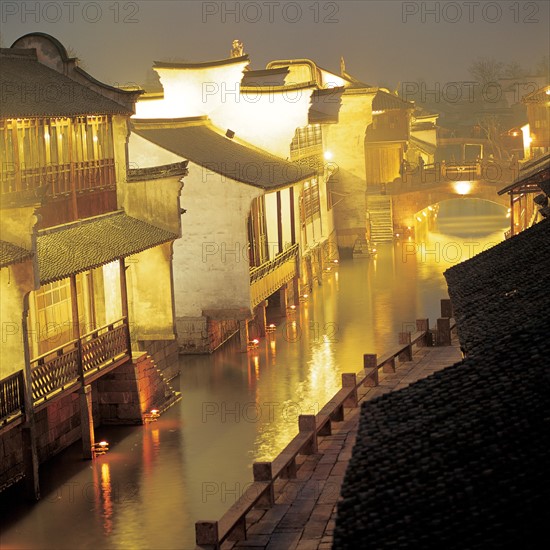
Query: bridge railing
{"points": [[261, 493], [493, 171]]}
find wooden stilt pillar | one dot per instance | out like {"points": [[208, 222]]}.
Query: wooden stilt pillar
{"points": [[243, 334], [283, 298], [86, 421], [124, 301], [28, 431], [295, 284], [260, 318], [85, 391]]}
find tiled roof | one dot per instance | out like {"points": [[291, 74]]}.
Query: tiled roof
{"points": [[384, 101], [459, 460], [90, 243], [201, 143], [30, 89], [503, 288], [539, 166], [12, 254], [266, 77]]}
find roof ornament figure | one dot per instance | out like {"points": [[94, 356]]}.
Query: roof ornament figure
{"points": [[237, 49], [342, 66]]}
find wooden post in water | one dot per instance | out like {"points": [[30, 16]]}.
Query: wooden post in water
{"points": [[243, 334], [283, 299], [28, 430], [85, 392]]}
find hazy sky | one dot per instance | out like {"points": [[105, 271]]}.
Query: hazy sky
{"points": [[383, 42]]}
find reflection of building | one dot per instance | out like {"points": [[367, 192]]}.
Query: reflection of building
{"points": [[85, 258]]}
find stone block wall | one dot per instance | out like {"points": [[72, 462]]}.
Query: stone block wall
{"points": [[204, 335], [164, 354]]}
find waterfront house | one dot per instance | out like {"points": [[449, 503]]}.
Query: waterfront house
{"points": [[86, 275]]}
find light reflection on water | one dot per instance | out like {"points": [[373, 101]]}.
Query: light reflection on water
{"points": [[193, 463]]}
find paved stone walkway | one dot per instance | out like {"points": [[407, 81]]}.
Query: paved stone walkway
{"points": [[304, 512]]}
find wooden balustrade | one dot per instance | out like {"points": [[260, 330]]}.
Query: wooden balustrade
{"points": [[260, 494], [11, 397], [54, 371], [57, 370], [104, 346], [270, 276], [87, 176]]}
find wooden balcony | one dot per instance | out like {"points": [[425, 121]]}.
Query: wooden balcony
{"points": [[56, 178], [56, 373], [11, 398], [272, 275]]}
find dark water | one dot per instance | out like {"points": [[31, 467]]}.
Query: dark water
{"points": [[157, 480]]}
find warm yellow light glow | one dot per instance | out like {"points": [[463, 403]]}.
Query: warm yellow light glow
{"points": [[418, 219], [328, 155], [103, 443], [463, 187]]}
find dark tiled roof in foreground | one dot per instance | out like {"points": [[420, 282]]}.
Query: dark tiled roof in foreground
{"points": [[502, 289], [200, 142], [90, 243], [30, 89], [12, 254], [460, 459]]}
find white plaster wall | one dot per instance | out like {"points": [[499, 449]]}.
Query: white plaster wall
{"points": [[211, 269], [198, 91], [266, 120], [144, 154], [271, 224], [150, 300], [346, 140], [285, 208], [15, 281]]}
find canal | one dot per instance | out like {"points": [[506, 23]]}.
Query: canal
{"points": [[157, 480]]}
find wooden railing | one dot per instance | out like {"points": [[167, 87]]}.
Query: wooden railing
{"points": [[54, 371], [11, 396], [261, 493], [105, 345], [270, 276], [87, 175], [58, 370]]}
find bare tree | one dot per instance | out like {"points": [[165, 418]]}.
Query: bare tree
{"points": [[486, 70], [514, 70]]}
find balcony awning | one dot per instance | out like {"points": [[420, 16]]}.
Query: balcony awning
{"points": [[72, 248], [12, 254]]}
